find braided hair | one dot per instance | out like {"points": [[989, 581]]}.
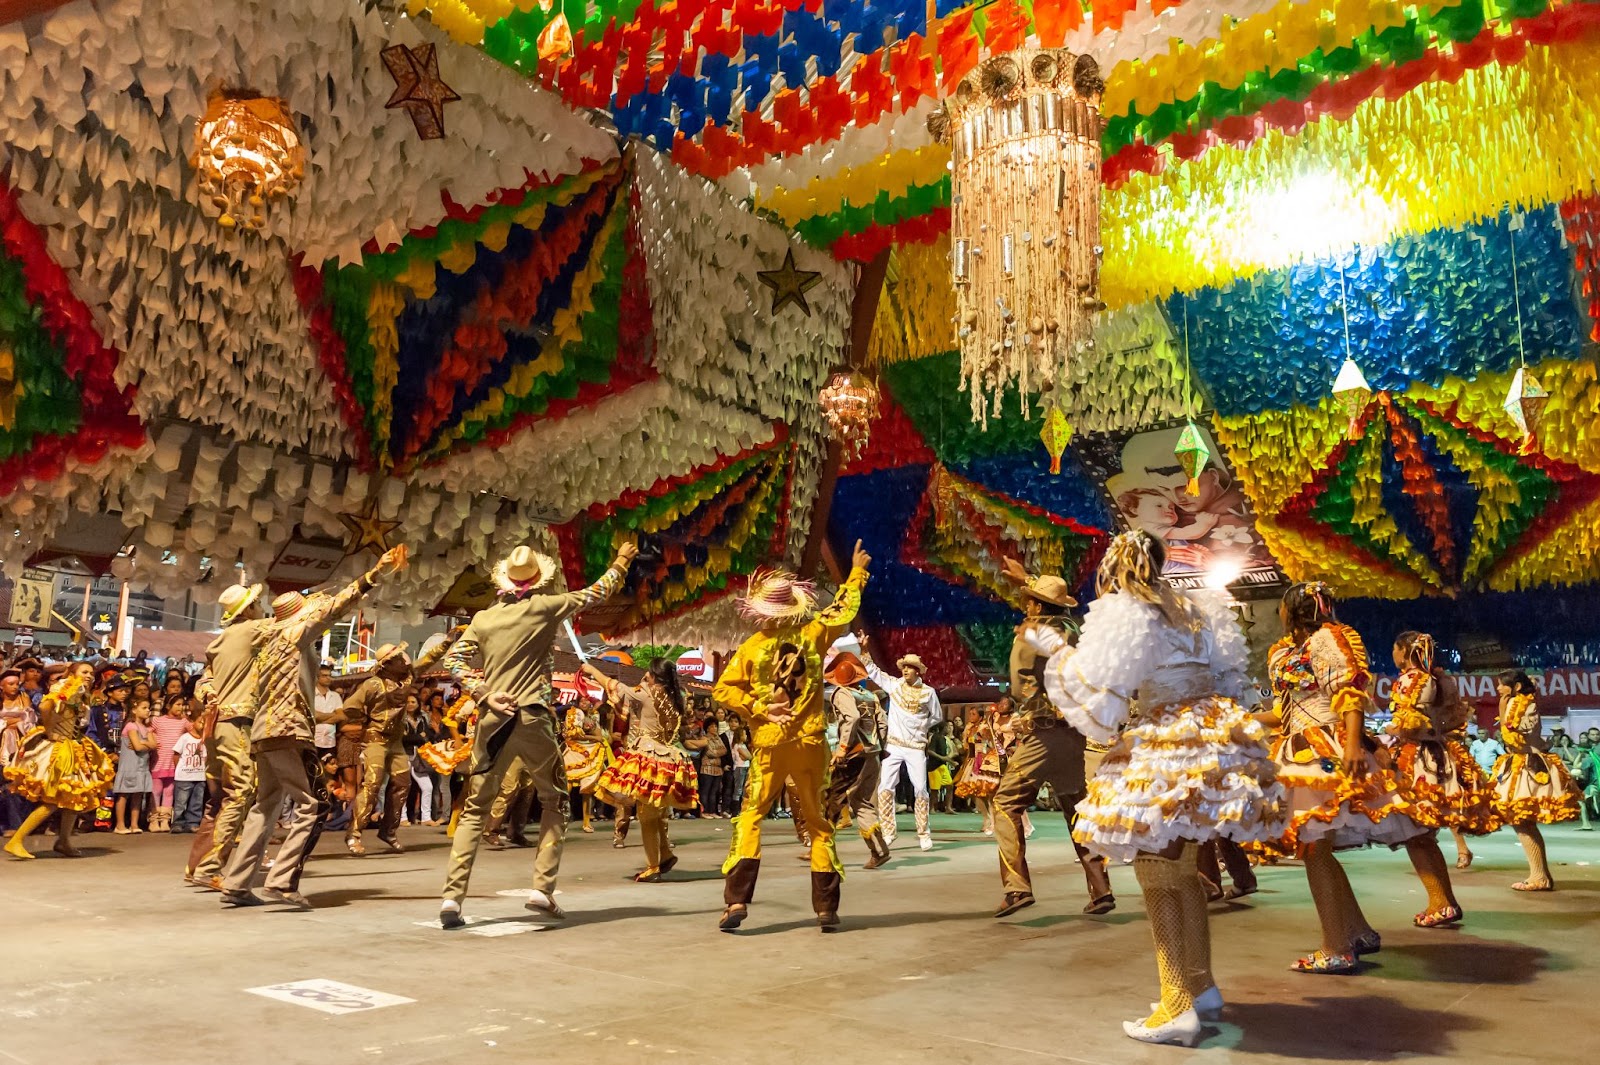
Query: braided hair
{"points": [[665, 674], [1309, 605], [1417, 649]]}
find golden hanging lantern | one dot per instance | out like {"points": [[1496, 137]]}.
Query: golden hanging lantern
{"points": [[849, 403], [247, 153], [1024, 131]]}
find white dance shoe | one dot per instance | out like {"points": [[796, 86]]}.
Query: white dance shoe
{"points": [[925, 842], [1208, 1004], [1182, 1030]]}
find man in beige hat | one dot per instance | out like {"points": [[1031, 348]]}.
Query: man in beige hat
{"points": [[282, 737], [914, 712], [227, 691], [377, 707], [1048, 751], [511, 644]]}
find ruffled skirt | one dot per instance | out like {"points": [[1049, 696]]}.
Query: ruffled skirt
{"points": [[585, 762], [445, 757], [1533, 786], [1194, 771], [1323, 803], [974, 782], [664, 778], [1445, 787], [72, 774]]}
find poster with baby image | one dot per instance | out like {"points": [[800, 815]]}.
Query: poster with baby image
{"points": [[1211, 535]]}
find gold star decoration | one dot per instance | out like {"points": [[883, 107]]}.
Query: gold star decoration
{"points": [[790, 285], [418, 87], [368, 532]]}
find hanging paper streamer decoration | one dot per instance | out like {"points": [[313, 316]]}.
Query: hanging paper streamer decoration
{"points": [[499, 316], [1351, 391], [1025, 227], [1523, 405], [1193, 454], [698, 533], [1055, 434], [61, 404]]}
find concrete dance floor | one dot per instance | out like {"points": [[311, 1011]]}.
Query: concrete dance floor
{"points": [[111, 960]]}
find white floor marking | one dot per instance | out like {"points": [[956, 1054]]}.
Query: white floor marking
{"points": [[491, 926], [329, 996]]}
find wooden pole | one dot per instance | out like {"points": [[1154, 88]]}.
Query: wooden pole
{"points": [[863, 312]]}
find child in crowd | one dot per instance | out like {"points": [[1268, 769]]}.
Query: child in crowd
{"points": [[133, 781], [168, 728], [189, 779]]}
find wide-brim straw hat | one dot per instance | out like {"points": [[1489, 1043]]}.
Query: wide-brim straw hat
{"points": [[524, 570], [1049, 589], [237, 598], [389, 651], [287, 605], [913, 661], [776, 595]]}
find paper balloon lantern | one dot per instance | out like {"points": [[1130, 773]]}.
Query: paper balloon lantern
{"points": [[1056, 433], [1524, 403], [1193, 453], [1351, 391]]}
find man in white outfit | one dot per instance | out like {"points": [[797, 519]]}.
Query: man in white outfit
{"points": [[914, 710]]}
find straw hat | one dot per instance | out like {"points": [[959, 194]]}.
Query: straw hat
{"points": [[1049, 589], [845, 670], [237, 598], [913, 661], [524, 570], [287, 605], [391, 650], [776, 595]]}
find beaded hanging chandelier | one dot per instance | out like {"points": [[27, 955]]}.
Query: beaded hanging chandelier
{"points": [[1024, 131], [247, 152], [849, 403]]}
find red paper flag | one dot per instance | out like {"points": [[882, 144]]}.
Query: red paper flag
{"points": [[957, 48]]}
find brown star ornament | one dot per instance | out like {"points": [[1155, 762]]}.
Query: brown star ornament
{"points": [[368, 532], [790, 285], [418, 87]]}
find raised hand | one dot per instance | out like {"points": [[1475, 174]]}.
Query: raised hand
{"points": [[1013, 570], [859, 559], [628, 552], [393, 559]]}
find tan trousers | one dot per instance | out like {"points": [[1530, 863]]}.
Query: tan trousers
{"points": [[280, 777], [230, 792], [653, 824], [1050, 755], [532, 740], [382, 763]]}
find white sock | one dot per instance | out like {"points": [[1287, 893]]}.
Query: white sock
{"points": [[450, 906]]}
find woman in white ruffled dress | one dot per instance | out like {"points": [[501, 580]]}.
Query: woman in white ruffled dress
{"points": [[1193, 767]]}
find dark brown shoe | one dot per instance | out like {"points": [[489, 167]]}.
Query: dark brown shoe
{"points": [[828, 922], [733, 917], [1014, 901], [1103, 904]]}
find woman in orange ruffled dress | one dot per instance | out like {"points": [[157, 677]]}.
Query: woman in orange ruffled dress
{"points": [[653, 775], [1531, 787], [587, 754], [1443, 785], [1340, 793], [449, 756], [56, 767], [980, 773]]}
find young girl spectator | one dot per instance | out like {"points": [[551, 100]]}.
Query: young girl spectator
{"points": [[168, 728], [133, 769], [189, 780], [741, 767]]}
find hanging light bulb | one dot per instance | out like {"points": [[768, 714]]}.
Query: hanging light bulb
{"points": [[1351, 391], [849, 403]]}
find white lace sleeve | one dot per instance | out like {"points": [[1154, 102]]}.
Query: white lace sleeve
{"points": [[1044, 639], [1230, 653], [1092, 684]]}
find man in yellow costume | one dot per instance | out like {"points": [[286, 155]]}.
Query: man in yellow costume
{"points": [[775, 684]]}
